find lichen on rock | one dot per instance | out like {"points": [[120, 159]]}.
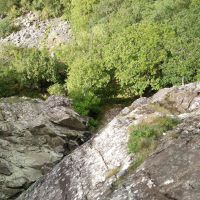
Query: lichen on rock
{"points": [[31, 143], [171, 172]]}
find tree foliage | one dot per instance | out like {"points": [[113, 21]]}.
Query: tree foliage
{"points": [[29, 69], [134, 45], [121, 48]]}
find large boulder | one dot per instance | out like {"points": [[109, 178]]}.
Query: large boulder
{"points": [[100, 169], [170, 173], [34, 136]]}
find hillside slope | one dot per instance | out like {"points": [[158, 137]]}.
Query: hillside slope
{"points": [[101, 168]]}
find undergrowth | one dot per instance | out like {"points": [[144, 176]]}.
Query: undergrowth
{"points": [[144, 137]]}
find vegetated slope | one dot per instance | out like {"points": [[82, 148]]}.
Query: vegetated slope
{"points": [[122, 48], [126, 48], [103, 168]]}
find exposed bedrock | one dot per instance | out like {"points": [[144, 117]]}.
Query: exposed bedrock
{"points": [[100, 168]]}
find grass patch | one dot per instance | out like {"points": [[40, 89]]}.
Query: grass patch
{"points": [[112, 172], [143, 140], [158, 108], [7, 27], [143, 137]]}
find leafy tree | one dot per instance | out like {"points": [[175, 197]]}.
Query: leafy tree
{"points": [[81, 12], [120, 48], [57, 89], [137, 54], [37, 68], [27, 69], [183, 61], [124, 48]]}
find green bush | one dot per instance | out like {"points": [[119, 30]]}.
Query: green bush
{"points": [[184, 58], [121, 48], [93, 124], [30, 70], [6, 27], [37, 68], [6, 5], [67, 9], [49, 8], [8, 82], [57, 89], [126, 48], [87, 104], [81, 12], [136, 54]]}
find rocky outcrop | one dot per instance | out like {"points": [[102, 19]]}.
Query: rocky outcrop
{"points": [[171, 172], [36, 33], [34, 136], [100, 169], [107, 114]]}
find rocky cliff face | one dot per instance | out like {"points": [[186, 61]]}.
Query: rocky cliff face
{"points": [[34, 136], [100, 169], [36, 33]]}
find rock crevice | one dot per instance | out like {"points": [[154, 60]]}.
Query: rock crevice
{"points": [[30, 144]]}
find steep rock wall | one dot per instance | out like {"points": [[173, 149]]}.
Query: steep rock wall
{"points": [[34, 136], [91, 171]]}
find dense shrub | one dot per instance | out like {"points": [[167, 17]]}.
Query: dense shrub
{"points": [[81, 13], [184, 56], [49, 8], [121, 48], [29, 69], [37, 68], [87, 104], [6, 5], [6, 27], [57, 89], [9, 84], [137, 54], [124, 48]]}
